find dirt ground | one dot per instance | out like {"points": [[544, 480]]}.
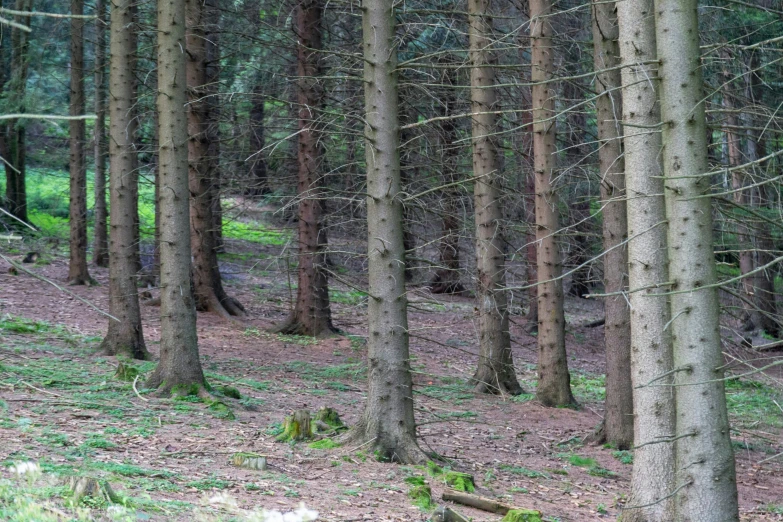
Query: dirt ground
{"points": [[518, 451]]}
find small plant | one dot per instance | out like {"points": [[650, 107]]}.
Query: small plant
{"points": [[529, 473], [626, 457]]}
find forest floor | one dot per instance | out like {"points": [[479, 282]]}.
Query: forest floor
{"points": [[62, 407]]}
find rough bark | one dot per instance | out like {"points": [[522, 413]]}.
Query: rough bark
{"points": [[124, 337], [311, 314], [210, 296], [495, 370], [179, 369], [77, 266], [554, 380], [14, 134], [652, 479], [387, 425], [704, 456], [618, 416], [100, 245]]}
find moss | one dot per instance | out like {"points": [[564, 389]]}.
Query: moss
{"points": [[126, 372], [433, 469], [296, 427], [221, 410], [330, 417], [324, 444], [523, 515], [252, 461], [421, 496], [184, 390], [459, 481], [229, 391]]}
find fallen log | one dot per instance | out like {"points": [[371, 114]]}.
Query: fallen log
{"points": [[482, 503]]}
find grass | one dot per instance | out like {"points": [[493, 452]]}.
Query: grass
{"points": [[525, 472], [752, 404]]}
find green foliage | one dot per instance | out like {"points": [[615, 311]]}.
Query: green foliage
{"points": [[582, 462], [456, 393], [529, 473], [522, 515], [229, 391], [254, 233], [626, 457], [324, 444], [753, 403], [350, 297], [209, 483]]}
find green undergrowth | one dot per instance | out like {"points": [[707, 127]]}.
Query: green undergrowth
{"points": [[751, 404]]}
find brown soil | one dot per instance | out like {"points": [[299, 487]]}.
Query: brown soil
{"points": [[517, 451]]}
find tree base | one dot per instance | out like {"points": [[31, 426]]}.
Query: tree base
{"points": [[487, 380], [293, 326], [398, 447], [114, 348], [445, 283]]}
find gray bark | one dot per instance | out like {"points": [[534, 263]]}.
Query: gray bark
{"points": [[704, 456], [100, 248], [387, 424], [554, 381], [179, 369], [618, 413], [495, 371], [124, 337], [652, 481]]}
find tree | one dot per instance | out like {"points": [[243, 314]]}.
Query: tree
{"points": [[651, 353], [13, 143], [124, 336], [311, 314], [618, 416], [210, 296], [100, 248], [387, 425], [179, 369], [554, 381], [77, 267], [704, 456], [495, 371]]}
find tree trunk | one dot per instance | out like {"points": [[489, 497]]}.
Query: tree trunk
{"points": [[618, 416], [124, 337], [495, 371], [259, 182], [77, 267], [387, 425], [704, 456], [14, 130], [100, 254], [311, 314], [554, 381], [179, 369], [202, 172], [652, 480], [446, 279]]}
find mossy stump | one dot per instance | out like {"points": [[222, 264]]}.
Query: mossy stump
{"points": [[523, 515], [297, 427], [421, 496], [89, 487], [327, 419], [252, 461], [126, 372]]}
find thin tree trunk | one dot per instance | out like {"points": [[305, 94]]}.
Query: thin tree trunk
{"points": [[554, 381], [495, 371], [179, 370], [311, 314], [77, 266], [652, 481], [124, 337], [210, 296], [258, 183], [446, 279], [14, 130], [100, 248], [618, 416], [704, 456], [387, 425]]}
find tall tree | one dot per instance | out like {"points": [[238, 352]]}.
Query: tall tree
{"points": [[77, 267], [652, 480], [100, 247], [208, 288], [13, 144], [495, 371], [704, 456], [387, 425], [618, 416], [258, 184], [179, 369], [124, 337], [554, 381], [311, 314]]}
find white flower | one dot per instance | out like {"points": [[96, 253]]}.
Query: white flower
{"points": [[304, 514]]}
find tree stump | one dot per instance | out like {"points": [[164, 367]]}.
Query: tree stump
{"points": [[297, 427]]}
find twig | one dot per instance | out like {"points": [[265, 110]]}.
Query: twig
{"points": [[137, 391]]}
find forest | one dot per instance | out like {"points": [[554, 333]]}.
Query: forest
{"points": [[391, 260]]}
